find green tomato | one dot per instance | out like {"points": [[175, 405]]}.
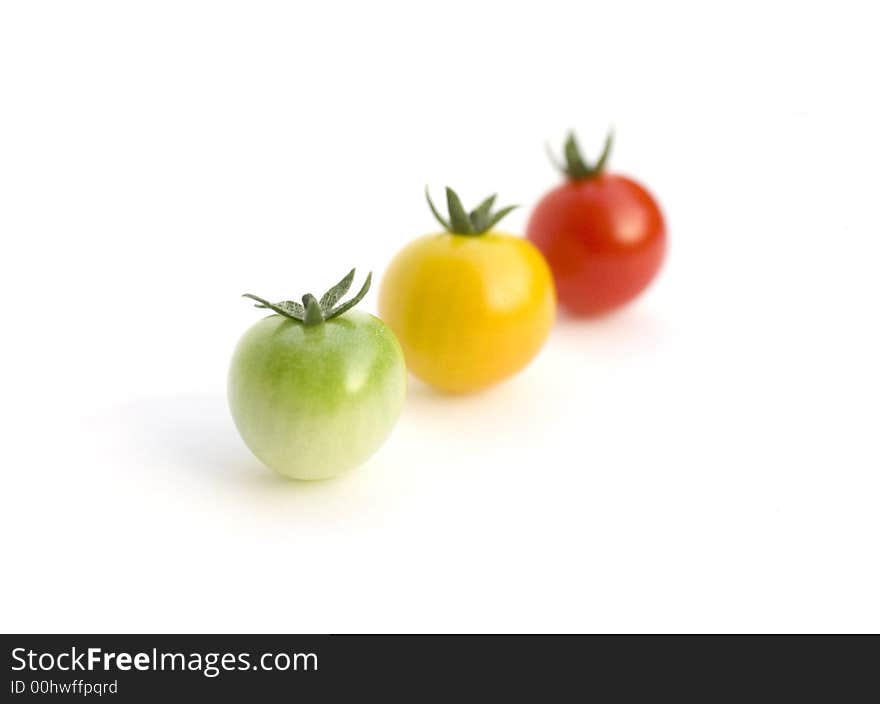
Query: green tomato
{"points": [[314, 400]]}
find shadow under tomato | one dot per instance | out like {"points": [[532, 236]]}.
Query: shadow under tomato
{"points": [[629, 331], [195, 432], [191, 458]]}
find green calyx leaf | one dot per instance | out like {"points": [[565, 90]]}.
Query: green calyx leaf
{"points": [[312, 311], [461, 222], [576, 167], [329, 299]]}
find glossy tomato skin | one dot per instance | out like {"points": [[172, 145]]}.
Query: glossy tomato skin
{"points": [[314, 401], [604, 238], [469, 311]]}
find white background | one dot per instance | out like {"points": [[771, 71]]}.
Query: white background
{"points": [[705, 460]]}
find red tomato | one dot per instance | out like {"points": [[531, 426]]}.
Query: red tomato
{"points": [[602, 234]]}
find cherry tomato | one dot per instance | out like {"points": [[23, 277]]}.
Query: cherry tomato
{"points": [[315, 389], [603, 235], [470, 306]]}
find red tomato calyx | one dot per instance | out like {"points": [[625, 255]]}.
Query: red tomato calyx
{"points": [[576, 168]]}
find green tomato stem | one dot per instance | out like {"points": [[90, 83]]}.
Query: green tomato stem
{"points": [[313, 314], [312, 311]]}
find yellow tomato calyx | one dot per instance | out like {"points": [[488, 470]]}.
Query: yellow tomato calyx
{"points": [[461, 222]]}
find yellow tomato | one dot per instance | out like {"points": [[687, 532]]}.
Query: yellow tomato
{"points": [[469, 309]]}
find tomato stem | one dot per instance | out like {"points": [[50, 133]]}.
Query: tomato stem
{"points": [[576, 167], [461, 222], [313, 314], [312, 311]]}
